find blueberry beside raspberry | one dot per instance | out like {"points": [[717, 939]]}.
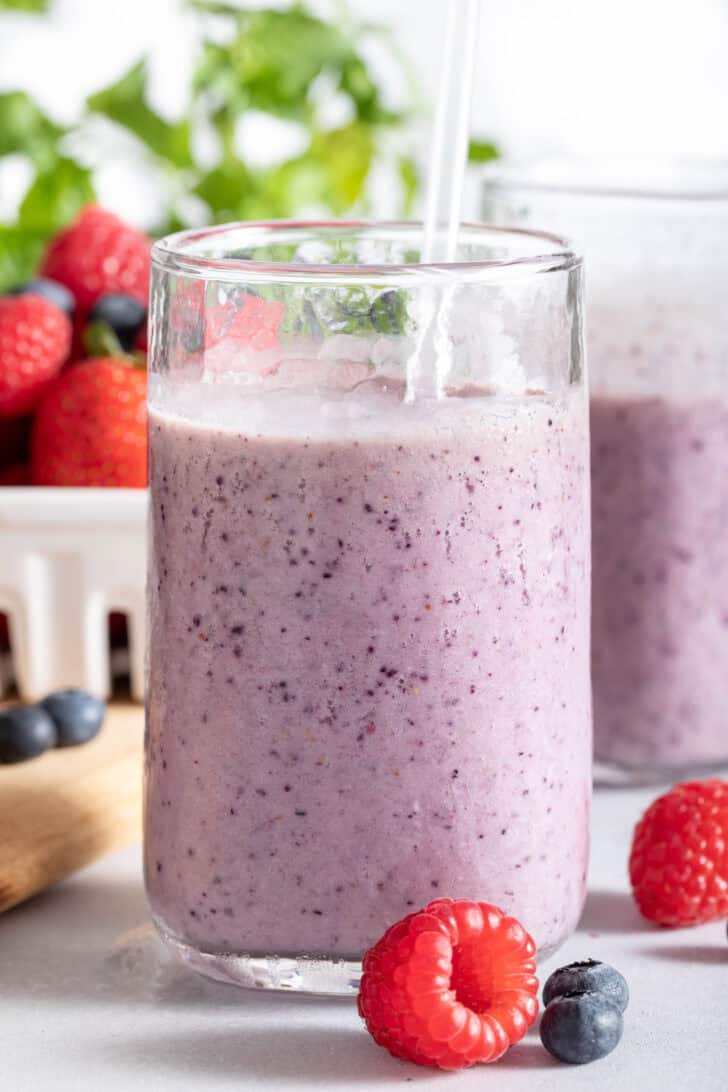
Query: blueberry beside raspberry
{"points": [[584, 1003], [588, 976], [581, 1027]]}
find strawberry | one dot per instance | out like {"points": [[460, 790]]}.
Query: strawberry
{"points": [[15, 475], [35, 339], [99, 254], [91, 427], [14, 441]]}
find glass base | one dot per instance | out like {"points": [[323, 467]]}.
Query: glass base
{"points": [[288, 974], [300, 974]]}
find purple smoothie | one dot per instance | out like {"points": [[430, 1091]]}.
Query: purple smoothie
{"points": [[660, 571], [369, 685]]}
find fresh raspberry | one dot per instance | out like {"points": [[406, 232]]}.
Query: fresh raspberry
{"points": [[452, 985], [97, 255], [35, 339], [679, 860], [91, 427]]}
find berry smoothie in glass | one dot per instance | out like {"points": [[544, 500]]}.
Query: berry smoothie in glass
{"points": [[656, 240], [368, 591]]}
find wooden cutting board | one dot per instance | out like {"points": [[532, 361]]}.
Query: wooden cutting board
{"points": [[72, 805]]}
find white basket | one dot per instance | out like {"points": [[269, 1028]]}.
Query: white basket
{"points": [[68, 558]]}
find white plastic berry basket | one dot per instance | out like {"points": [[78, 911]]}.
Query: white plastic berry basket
{"points": [[68, 558]]}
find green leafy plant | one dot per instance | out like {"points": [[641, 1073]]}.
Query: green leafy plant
{"points": [[286, 63], [273, 61]]}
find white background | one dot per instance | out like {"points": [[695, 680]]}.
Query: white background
{"points": [[645, 77]]}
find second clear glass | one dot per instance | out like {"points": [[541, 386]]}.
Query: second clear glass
{"points": [[656, 243]]}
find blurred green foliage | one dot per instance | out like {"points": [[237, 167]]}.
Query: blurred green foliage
{"points": [[263, 59], [34, 6], [282, 62]]}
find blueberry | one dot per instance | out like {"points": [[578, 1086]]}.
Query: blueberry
{"points": [[581, 1027], [77, 715], [50, 290], [25, 731], [124, 314], [588, 976]]}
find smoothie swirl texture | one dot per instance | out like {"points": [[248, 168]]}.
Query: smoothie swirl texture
{"points": [[358, 611]]}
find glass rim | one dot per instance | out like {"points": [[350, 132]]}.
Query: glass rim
{"points": [[176, 254], [619, 177]]}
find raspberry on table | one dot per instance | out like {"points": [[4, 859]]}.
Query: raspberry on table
{"points": [[678, 865], [451, 985], [35, 339]]}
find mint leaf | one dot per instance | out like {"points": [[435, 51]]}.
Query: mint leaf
{"points": [[273, 60], [227, 190], [39, 7], [125, 102], [25, 129], [55, 197], [482, 151], [20, 252]]}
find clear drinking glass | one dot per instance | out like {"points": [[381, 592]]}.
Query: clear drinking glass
{"points": [[656, 244], [368, 591]]}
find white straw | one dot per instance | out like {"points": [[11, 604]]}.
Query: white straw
{"points": [[448, 157]]}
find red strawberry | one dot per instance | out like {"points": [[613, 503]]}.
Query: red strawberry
{"points": [[97, 255], [35, 338], [15, 475], [14, 441], [91, 427]]}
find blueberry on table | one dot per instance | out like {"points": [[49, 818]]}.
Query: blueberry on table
{"points": [[77, 715], [587, 976], [51, 290], [25, 731], [581, 1027], [124, 314]]}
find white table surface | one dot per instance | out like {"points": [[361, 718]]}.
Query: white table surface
{"points": [[89, 1001]]}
